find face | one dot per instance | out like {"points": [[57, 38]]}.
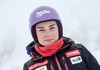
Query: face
{"points": [[47, 32]]}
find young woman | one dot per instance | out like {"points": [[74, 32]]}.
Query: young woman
{"points": [[50, 50]]}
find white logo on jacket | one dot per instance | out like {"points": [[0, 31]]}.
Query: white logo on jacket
{"points": [[75, 60], [42, 68], [41, 13]]}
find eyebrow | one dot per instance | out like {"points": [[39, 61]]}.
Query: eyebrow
{"points": [[51, 25], [43, 27], [40, 27]]}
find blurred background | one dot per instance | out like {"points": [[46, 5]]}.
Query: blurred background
{"points": [[80, 18]]}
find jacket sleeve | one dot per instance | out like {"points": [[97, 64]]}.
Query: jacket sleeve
{"points": [[25, 67], [90, 60]]}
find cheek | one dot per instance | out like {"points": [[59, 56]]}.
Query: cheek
{"points": [[56, 33], [40, 36]]}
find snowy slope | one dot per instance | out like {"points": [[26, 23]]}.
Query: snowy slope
{"points": [[81, 21]]}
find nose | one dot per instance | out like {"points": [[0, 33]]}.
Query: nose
{"points": [[48, 33]]}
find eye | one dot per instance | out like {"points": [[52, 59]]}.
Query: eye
{"points": [[52, 28], [41, 30]]}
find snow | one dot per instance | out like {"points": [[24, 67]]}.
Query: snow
{"points": [[80, 20]]}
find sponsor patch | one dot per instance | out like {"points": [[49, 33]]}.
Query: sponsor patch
{"points": [[42, 68], [42, 12], [72, 53], [76, 60]]}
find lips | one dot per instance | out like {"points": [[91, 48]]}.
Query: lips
{"points": [[48, 40]]}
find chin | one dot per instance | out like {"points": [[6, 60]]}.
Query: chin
{"points": [[49, 43]]}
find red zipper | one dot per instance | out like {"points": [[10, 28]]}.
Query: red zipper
{"points": [[64, 62], [51, 66], [59, 67]]}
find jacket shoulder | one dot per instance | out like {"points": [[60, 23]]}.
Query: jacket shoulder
{"points": [[77, 46], [27, 64]]}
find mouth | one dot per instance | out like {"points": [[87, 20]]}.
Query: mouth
{"points": [[48, 40]]}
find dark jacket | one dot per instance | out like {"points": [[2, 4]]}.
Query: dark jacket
{"points": [[70, 57]]}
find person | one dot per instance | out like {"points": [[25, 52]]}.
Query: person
{"points": [[50, 50]]}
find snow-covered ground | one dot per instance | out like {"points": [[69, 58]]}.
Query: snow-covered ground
{"points": [[80, 18]]}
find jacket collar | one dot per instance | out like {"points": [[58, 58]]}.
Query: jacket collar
{"points": [[32, 52]]}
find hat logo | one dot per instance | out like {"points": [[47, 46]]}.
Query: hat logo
{"points": [[41, 13]]}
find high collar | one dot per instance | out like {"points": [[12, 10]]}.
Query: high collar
{"points": [[31, 47]]}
